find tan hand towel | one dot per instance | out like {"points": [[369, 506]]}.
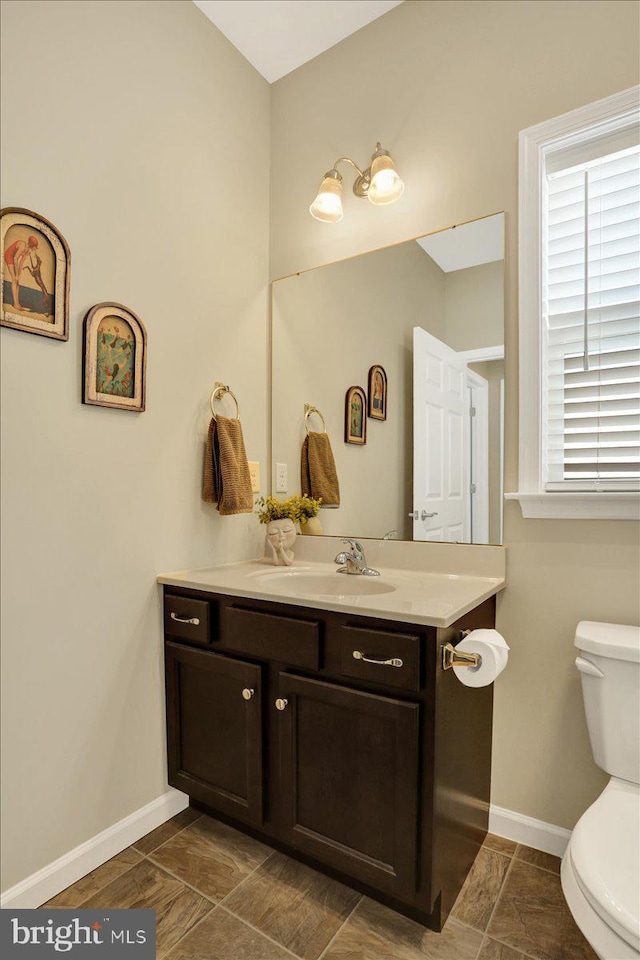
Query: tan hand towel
{"points": [[318, 476], [226, 471]]}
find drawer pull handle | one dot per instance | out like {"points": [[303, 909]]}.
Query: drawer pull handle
{"points": [[194, 620], [394, 662], [281, 704], [248, 693]]}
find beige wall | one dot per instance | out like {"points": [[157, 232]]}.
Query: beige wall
{"points": [[446, 87], [144, 136], [474, 306]]}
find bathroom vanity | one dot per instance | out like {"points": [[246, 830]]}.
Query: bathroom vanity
{"points": [[332, 733]]}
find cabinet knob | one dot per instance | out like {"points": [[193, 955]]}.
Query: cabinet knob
{"points": [[248, 693], [281, 704]]}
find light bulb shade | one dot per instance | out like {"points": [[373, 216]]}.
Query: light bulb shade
{"points": [[327, 205], [386, 186]]}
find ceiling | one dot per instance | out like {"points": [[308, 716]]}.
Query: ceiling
{"points": [[469, 245], [277, 36]]}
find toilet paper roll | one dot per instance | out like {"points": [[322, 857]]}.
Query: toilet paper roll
{"points": [[493, 650]]}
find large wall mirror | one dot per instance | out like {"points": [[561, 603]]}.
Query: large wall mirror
{"points": [[430, 312]]}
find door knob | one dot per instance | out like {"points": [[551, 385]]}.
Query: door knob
{"points": [[248, 693], [423, 515], [281, 704]]}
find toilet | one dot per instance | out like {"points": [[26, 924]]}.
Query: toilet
{"points": [[601, 866]]}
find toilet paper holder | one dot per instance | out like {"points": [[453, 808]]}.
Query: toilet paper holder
{"points": [[454, 658]]}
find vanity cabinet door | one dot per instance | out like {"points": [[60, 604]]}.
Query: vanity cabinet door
{"points": [[349, 763], [214, 730]]}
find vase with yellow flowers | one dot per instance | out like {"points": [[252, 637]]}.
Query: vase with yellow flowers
{"points": [[280, 518], [306, 510]]}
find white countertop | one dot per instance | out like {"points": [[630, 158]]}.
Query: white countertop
{"points": [[426, 597]]}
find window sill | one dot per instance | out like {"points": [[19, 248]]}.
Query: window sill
{"points": [[578, 506]]}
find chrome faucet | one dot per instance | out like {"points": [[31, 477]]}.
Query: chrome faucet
{"points": [[354, 561]]}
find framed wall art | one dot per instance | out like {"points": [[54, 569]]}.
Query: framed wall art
{"points": [[355, 416], [34, 294], [115, 358], [378, 393]]}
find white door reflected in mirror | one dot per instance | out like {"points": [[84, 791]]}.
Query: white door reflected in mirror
{"points": [[441, 466], [451, 449]]}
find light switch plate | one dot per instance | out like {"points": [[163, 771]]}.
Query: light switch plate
{"points": [[254, 473], [282, 482]]}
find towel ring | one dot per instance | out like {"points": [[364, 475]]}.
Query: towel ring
{"points": [[218, 390], [308, 410]]}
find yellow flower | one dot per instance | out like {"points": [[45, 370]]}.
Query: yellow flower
{"points": [[297, 508]]}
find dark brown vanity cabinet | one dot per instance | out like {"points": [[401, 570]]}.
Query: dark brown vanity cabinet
{"points": [[336, 738]]}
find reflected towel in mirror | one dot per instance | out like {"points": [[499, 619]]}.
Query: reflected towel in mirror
{"points": [[226, 471], [318, 476]]}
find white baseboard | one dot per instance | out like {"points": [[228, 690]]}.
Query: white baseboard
{"points": [[57, 876], [528, 831]]}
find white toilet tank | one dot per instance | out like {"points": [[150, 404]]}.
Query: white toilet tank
{"points": [[609, 665]]}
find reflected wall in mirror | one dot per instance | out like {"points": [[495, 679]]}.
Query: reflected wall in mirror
{"points": [[431, 313]]}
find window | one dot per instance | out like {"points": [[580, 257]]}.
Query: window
{"points": [[580, 313]]}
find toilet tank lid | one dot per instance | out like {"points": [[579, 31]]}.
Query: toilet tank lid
{"points": [[615, 640]]}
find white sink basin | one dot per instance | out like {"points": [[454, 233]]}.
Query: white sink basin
{"points": [[304, 584]]}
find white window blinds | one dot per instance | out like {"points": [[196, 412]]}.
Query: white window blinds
{"points": [[591, 318]]}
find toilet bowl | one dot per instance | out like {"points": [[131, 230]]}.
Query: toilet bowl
{"points": [[600, 872], [601, 866]]}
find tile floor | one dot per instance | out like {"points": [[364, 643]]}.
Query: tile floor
{"points": [[220, 895]]}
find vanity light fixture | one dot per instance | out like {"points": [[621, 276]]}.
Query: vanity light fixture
{"points": [[379, 183]]}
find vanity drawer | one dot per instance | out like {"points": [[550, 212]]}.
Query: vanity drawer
{"points": [[359, 646], [186, 618], [271, 636]]}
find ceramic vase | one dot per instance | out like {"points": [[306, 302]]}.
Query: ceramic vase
{"points": [[281, 537], [312, 528]]}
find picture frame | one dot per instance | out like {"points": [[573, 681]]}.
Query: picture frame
{"points": [[355, 416], [115, 358], [377, 383], [35, 265]]}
